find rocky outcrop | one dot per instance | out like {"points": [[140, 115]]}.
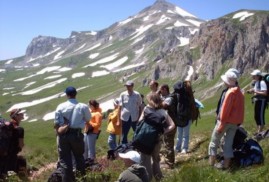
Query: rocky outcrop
{"points": [[239, 43]]}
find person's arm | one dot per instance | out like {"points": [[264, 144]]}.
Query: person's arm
{"points": [[170, 123]]}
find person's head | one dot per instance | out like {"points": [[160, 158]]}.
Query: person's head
{"points": [[188, 88], [71, 92], [93, 104], [178, 87], [116, 102], [164, 90], [230, 79], [17, 115], [129, 85], [256, 75], [130, 158], [153, 85], [154, 100]]}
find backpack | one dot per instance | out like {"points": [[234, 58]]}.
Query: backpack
{"points": [[148, 130], [6, 132], [250, 153], [56, 175]]}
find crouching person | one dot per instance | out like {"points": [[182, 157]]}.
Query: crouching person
{"points": [[135, 172], [15, 162]]}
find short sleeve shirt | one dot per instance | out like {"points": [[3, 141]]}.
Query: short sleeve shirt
{"points": [[263, 86]]}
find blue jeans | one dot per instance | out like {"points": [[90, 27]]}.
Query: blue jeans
{"points": [[126, 125], [112, 141], [90, 143], [183, 137]]}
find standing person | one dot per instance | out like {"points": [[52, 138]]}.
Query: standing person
{"points": [[231, 115], [130, 109], [222, 95], [14, 162], [113, 127], [135, 172], [153, 85], [168, 139], [152, 161], [91, 131], [260, 92], [183, 136], [72, 116]]}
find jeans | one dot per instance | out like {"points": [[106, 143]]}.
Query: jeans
{"points": [[183, 137], [126, 125], [90, 143], [112, 141], [68, 143]]}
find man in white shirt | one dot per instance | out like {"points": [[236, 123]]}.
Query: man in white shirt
{"points": [[130, 109]]}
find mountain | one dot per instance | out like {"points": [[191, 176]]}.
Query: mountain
{"points": [[162, 42]]}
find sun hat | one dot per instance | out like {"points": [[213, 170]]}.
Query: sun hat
{"points": [[129, 83], [234, 71], [256, 73], [132, 155], [230, 78]]}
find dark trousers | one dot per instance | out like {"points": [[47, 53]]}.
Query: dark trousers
{"points": [[126, 125], [71, 142], [260, 106]]}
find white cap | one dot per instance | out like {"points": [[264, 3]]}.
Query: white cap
{"points": [[230, 78], [234, 71], [256, 73], [132, 155]]}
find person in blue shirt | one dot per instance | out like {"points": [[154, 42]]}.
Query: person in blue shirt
{"points": [[70, 119]]}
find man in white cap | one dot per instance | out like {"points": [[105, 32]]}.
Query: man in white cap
{"points": [[135, 172], [260, 93], [231, 115], [129, 110]]}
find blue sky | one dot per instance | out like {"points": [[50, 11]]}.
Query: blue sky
{"points": [[22, 20]]}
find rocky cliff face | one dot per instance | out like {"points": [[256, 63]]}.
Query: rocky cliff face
{"points": [[240, 40]]}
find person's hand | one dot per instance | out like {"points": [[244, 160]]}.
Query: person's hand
{"points": [[62, 129]]}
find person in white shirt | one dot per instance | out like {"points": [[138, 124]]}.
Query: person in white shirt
{"points": [[260, 92]]}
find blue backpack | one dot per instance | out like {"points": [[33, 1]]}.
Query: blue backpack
{"points": [[250, 153]]}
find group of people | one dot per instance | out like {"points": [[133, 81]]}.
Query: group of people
{"points": [[230, 114], [78, 126]]}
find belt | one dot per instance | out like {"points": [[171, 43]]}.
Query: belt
{"points": [[74, 130]]}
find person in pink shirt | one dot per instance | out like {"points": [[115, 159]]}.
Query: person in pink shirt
{"points": [[230, 116]]}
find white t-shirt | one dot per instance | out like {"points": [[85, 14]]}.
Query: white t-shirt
{"points": [[263, 86]]}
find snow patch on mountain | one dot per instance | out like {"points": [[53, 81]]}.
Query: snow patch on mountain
{"points": [[100, 73], [242, 15], [183, 12], [94, 55], [77, 75], [104, 60], [58, 55], [9, 61], [115, 64]]}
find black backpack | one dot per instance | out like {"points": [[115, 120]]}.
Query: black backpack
{"points": [[250, 153], [148, 131], [56, 175], [180, 109], [6, 132]]}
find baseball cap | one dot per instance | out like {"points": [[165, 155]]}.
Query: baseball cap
{"points": [[230, 78], [70, 90], [15, 112], [256, 73], [129, 83], [132, 155]]}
